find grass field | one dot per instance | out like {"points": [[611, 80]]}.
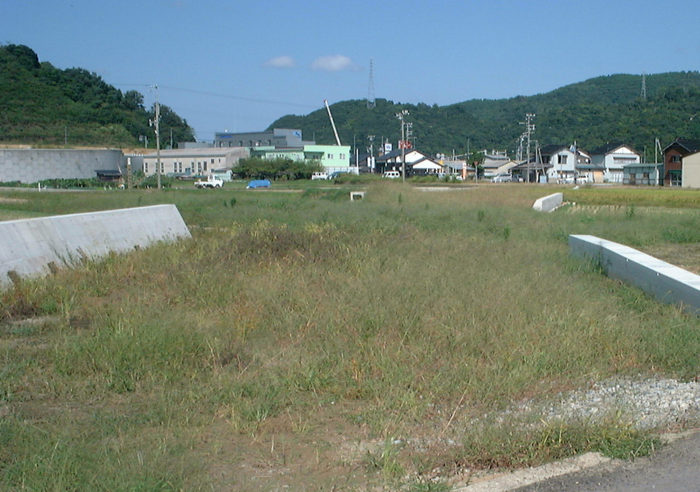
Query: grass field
{"points": [[303, 340]]}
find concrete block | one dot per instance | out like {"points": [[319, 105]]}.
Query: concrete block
{"points": [[32, 247], [549, 203], [666, 282]]}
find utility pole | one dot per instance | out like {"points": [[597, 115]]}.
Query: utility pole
{"points": [[156, 124], [529, 129], [476, 170], [401, 116]]}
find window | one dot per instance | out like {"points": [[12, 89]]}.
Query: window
{"points": [[675, 158], [145, 167], [645, 175], [330, 156], [205, 165], [562, 158]]}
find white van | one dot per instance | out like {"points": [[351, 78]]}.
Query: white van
{"points": [[392, 174], [319, 175]]}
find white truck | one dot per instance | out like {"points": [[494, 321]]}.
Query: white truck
{"points": [[210, 182]]}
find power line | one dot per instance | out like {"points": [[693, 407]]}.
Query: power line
{"points": [[225, 96]]}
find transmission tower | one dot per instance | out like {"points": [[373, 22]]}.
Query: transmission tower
{"points": [[371, 103], [643, 93]]}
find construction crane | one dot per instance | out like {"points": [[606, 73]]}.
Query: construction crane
{"points": [[337, 138]]}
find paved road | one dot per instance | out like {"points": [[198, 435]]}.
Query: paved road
{"points": [[674, 468]]}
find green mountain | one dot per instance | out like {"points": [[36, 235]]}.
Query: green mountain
{"points": [[40, 104], [592, 113]]}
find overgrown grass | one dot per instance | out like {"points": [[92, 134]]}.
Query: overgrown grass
{"points": [[294, 324], [514, 444]]}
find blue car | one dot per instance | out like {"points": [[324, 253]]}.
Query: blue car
{"points": [[258, 183]]}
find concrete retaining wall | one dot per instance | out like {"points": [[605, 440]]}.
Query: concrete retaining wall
{"points": [[30, 247], [549, 202], [32, 165], [666, 282]]}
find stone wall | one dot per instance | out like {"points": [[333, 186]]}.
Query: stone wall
{"points": [[32, 165]]}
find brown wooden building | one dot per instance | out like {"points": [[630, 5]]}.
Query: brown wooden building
{"points": [[673, 159]]}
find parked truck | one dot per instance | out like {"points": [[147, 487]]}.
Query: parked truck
{"points": [[210, 182]]}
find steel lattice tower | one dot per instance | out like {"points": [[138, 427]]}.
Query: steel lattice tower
{"points": [[371, 103]]}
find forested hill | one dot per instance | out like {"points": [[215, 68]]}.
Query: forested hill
{"points": [[592, 113], [40, 104]]}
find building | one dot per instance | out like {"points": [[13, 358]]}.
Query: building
{"points": [[497, 163], [691, 171], [568, 163], [673, 159], [416, 162], [193, 162], [646, 174], [333, 158], [608, 162], [277, 137], [34, 165]]}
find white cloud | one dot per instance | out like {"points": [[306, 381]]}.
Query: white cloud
{"points": [[333, 63], [280, 62]]}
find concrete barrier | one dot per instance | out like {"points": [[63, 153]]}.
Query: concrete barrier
{"points": [[666, 282], [549, 203], [33, 247]]}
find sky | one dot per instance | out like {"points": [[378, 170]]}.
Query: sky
{"points": [[239, 65]]}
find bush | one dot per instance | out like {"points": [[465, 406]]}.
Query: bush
{"points": [[152, 182], [275, 169]]}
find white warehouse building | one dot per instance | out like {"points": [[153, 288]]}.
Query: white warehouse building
{"points": [[193, 162]]}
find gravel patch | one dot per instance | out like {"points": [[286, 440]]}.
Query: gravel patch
{"points": [[645, 403]]}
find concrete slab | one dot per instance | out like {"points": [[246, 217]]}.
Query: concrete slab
{"points": [[666, 282], [31, 247], [549, 203]]}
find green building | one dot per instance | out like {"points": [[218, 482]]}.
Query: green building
{"points": [[332, 157]]}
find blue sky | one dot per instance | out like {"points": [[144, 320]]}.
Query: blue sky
{"points": [[238, 66]]}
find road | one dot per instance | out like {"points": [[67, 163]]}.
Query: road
{"points": [[674, 468]]}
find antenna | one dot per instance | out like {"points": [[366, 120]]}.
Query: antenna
{"points": [[643, 93], [371, 103]]}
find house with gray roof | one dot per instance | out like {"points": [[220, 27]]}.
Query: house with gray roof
{"points": [[608, 162]]}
